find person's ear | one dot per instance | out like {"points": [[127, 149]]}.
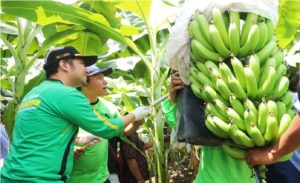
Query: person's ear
{"points": [[63, 65]]}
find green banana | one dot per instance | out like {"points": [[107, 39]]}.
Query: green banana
{"points": [[281, 87], [270, 62], [214, 74], [211, 109], [212, 94], [266, 51], [249, 118], [196, 91], [203, 79], [246, 141], [225, 72], [238, 70], [250, 20], [264, 70], [225, 16], [262, 116], [202, 68], [263, 30], [235, 18], [202, 52], [193, 71], [197, 88], [234, 116], [233, 128], [279, 57], [251, 82], [194, 31], [237, 105], [256, 135], [222, 88], [272, 130], [281, 110], [252, 41], [220, 25], [235, 153], [236, 88], [221, 107], [221, 124], [268, 82], [192, 79], [280, 71], [289, 105], [248, 104], [287, 98], [272, 108], [254, 65], [204, 26], [234, 38], [270, 30], [214, 129], [217, 41], [212, 65]]}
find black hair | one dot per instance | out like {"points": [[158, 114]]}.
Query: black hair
{"points": [[294, 81], [52, 68]]}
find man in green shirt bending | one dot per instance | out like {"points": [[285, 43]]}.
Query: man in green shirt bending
{"points": [[48, 118], [91, 166]]}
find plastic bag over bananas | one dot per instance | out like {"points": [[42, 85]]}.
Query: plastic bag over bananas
{"points": [[178, 51]]}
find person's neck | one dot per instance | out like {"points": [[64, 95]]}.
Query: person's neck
{"points": [[92, 98], [64, 80]]}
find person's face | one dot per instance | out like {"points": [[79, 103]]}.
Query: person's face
{"points": [[78, 72], [97, 85]]}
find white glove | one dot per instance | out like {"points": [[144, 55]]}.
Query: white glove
{"points": [[141, 112], [87, 139]]}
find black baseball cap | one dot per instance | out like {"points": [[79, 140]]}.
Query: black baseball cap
{"points": [[92, 70], [67, 52]]}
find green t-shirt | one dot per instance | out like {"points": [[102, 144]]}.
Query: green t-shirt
{"points": [[215, 165], [91, 166], [46, 125]]}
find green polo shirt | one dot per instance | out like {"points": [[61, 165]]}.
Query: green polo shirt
{"points": [[46, 125], [92, 165], [218, 167]]}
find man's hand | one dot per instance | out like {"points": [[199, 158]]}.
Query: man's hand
{"points": [[87, 139], [78, 151], [261, 156], [141, 112], [139, 123], [176, 84]]}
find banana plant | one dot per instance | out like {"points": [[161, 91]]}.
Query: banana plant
{"points": [[67, 25]]}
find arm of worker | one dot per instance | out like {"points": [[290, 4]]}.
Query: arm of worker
{"points": [[134, 169], [286, 144], [131, 128], [76, 109]]}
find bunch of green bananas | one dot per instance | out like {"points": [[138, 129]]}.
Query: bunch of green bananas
{"points": [[240, 73]]}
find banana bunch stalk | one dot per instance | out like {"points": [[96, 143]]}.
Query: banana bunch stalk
{"points": [[240, 73]]}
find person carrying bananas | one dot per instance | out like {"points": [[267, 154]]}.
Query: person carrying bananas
{"points": [[48, 119], [288, 143], [215, 165]]}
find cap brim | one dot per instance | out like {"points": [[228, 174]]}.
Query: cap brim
{"points": [[106, 71], [89, 60]]}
